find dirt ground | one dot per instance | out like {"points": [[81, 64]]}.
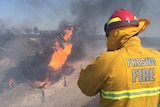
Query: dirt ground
{"points": [[60, 94]]}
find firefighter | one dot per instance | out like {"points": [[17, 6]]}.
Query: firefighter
{"points": [[128, 74]]}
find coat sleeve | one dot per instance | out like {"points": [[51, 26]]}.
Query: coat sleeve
{"points": [[91, 78]]}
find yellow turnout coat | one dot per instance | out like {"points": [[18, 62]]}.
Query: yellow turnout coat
{"points": [[127, 75]]}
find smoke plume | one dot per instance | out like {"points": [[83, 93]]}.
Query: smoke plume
{"points": [[90, 15], [93, 15]]}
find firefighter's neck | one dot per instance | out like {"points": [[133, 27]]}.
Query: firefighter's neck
{"points": [[125, 42]]}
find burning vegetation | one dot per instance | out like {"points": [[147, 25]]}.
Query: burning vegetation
{"points": [[49, 60], [59, 56]]}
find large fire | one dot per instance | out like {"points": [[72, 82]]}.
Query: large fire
{"points": [[59, 56]]}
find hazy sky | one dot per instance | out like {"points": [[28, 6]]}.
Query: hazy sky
{"points": [[47, 14], [43, 13]]}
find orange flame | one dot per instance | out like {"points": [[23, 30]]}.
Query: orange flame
{"points": [[42, 84], [58, 58], [45, 83], [60, 55]]}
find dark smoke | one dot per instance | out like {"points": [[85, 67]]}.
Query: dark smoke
{"points": [[92, 15]]}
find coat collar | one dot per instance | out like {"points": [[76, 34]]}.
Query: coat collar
{"points": [[123, 36]]}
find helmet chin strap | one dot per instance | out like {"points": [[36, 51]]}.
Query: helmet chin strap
{"points": [[136, 34], [107, 35], [132, 36]]}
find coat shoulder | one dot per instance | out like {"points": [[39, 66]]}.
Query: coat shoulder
{"points": [[109, 55], [154, 51]]}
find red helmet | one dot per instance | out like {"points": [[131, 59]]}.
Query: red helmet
{"points": [[120, 18]]}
